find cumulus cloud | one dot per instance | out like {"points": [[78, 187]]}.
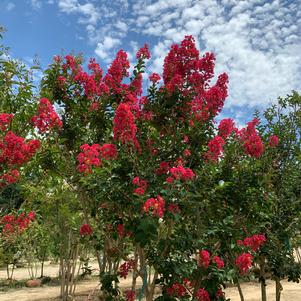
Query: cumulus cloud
{"points": [[103, 49], [257, 42]]}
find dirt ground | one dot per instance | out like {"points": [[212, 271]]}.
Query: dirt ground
{"points": [[291, 291]]}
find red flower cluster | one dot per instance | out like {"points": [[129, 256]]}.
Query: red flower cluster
{"points": [[252, 142], [10, 177], [85, 230], [12, 224], [180, 173], [130, 295], [120, 230], [142, 186], [15, 151], [125, 268], [202, 295], [177, 290], [47, 118], [226, 127], [254, 242], [154, 77], [143, 53], [244, 262], [219, 262], [163, 168], [273, 141], [124, 126], [215, 148], [108, 151], [204, 258], [185, 71], [5, 120], [156, 206], [88, 157], [117, 71]]}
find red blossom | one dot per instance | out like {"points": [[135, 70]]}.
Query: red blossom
{"points": [[130, 295], [125, 128], [108, 151], [47, 118], [5, 120], [226, 127], [88, 158], [273, 141], [204, 258], [126, 267], [85, 230], [182, 173], [202, 295], [155, 205], [254, 242], [177, 290], [117, 71], [244, 262], [143, 53], [219, 262], [215, 148], [154, 78]]}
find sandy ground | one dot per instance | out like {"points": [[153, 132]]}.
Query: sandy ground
{"points": [[291, 291]]}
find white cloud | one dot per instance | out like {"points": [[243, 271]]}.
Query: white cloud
{"points": [[257, 42], [10, 6], [103, 49]]}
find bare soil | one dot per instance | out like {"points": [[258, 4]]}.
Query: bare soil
{"points": [[251, 290]]}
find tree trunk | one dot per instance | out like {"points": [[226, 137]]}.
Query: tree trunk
{"points": [[279, 288], [262, 278], [241, 295]]}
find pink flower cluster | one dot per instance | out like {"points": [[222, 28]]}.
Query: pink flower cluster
{"points": [[47, 118], [155, 205]]}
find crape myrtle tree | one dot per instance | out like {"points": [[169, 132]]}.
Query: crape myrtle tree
{"points": [[17, 147], [284, 120], [164, 194]]}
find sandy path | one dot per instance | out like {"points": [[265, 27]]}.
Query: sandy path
{"points": [[291, 291]]}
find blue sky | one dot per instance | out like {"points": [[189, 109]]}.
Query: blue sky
{"points": [[257, 42]]}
